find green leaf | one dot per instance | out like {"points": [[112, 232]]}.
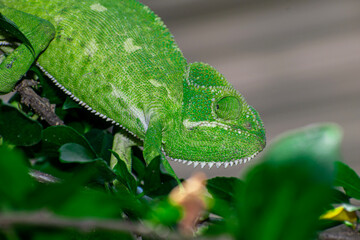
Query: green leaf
{"points": [[101, 141], [223, 187], [348, 179], [223, 190], [16, 128], [103, 171], [75, 153], [15, 182], [123, 175], [152, 179], [69, 103], [60, 135], [139, 167], [91, 203], [318, 142], [157, 183], [9, 26]]}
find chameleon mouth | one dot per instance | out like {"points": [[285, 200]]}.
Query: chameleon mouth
{"points": [[211, 164]]}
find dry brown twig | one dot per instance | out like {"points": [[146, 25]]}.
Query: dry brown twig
{"points": [[40, 106]]}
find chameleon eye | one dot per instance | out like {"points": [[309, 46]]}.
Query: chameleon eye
{"points": [[228, 108]]}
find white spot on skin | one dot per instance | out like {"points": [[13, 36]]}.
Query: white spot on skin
{"points": [[129, 46], [137, 113], [98, 7], [189, 124], [155, 83], [58, 19], [91, 48]]}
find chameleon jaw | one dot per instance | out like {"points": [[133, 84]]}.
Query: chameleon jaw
{"points": [[211, 164]]}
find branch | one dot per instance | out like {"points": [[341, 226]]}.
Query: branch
{"points": [[47, 220], [41, 106], [340, 232], [43, 177]]}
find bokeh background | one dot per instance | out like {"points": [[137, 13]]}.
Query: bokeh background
{"points": [[296, 62]]}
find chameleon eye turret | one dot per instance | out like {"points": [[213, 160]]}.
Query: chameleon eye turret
{"points": [[118, 60], [228, 108]]}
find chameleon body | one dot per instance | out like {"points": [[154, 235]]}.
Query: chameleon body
{"points": [[118, 59]]}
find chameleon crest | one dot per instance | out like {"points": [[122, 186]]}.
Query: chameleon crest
{"points": [[117, 59]]}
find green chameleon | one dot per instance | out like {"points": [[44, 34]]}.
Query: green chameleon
{"points": [[118, 60]]}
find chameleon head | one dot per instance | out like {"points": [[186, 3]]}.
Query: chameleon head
{"points": [[217, 125]]}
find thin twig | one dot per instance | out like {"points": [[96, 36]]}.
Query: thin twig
{"points": [[41, 106], [43, 177]]}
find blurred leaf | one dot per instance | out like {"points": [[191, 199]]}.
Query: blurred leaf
{"points": [[164, 213], [281, 199], [75, 153], [15, 182], [123, 175], [152, 179], [289, 190], [91, 203], [9, 26], [318, 142], [16, 128], [348, 179]]}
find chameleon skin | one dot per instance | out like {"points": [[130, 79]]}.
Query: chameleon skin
{"points": [[118, 59]]}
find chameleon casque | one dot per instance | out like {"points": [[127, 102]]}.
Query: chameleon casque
{"points": [[117, 59]]}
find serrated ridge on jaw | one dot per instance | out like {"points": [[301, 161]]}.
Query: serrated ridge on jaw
{"points": [[81, 103], [211, 164]]}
